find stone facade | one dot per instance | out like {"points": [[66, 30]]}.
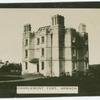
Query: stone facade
{"points": [[55, 50]]}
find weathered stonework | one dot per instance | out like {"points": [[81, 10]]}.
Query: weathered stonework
{"points": [[55, 50]]}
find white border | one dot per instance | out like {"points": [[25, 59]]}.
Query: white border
{"points": [[43, 1]]}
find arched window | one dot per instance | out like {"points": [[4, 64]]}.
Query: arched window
{"points": [[26, 42], [38, 41], [26, 65], [26, 53], [42, 51], [42, 39], [42, 65]]}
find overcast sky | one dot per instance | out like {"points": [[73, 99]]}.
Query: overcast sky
{"points": [[13, 20]]}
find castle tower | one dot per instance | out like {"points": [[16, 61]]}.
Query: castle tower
{"points": [[83, 52], [58, 30], [28, 50], [70, 50]]}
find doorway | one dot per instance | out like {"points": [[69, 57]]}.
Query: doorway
{"points": [[37, 67]]}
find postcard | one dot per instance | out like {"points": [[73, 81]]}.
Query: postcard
{"points": [[50, 49]]}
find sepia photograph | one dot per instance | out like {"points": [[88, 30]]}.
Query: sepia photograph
{"points": [[49, 51]]}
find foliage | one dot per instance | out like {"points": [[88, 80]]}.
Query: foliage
{"points": [[12, 68]]}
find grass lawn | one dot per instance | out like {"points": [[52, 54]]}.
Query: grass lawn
{"points": [[87, 85]]}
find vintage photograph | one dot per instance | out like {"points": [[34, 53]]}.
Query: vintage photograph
{"points": [[49, 52]]}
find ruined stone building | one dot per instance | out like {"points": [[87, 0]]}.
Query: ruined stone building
{"points": [[55, 50]]}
